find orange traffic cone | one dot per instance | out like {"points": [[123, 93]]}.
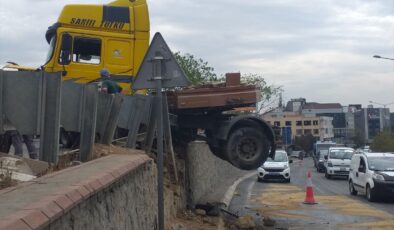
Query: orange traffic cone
{"points": [[309, 199]]}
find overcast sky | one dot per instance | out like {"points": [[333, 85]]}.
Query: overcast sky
{"points": [[320, 50]]}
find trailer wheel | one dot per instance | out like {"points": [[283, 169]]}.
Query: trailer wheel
{"points": [[247, 148]]}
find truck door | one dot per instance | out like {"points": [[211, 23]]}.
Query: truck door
{"points": [[84, 60]]}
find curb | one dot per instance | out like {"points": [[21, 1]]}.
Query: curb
{"points": [[228, 196]]}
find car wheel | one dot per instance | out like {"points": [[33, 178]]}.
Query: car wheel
{"points": [[351, 189], [371, 194], [287, 180], [328, 176]]}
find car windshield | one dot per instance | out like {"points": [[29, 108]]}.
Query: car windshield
{"points": [[381, 163], [341, 154], [279, 157]]}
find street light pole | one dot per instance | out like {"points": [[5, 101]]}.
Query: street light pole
{"points": [[377, 56], [384, 105]]}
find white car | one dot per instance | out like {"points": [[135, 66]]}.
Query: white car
{"points": [[338, 161], [372, 174], [277, 168]]}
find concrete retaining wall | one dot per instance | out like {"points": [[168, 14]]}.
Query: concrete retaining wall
{"points": [[209, 177], [113, 192]]}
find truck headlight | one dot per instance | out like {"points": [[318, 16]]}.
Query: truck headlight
{"points": [[286, 166], [377, 177], [329, 164]]}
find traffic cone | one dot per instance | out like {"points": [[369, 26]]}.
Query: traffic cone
{"points": [[309, 199]]}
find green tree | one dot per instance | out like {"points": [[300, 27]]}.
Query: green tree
{"points": [[268, 92], [196, 69], [383, 142]]}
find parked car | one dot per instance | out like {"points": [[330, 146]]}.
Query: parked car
{"points": [[338, 161], [277, 168], [319, 160], [372, 174]]}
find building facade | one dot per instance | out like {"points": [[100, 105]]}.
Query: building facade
{"points": [[371, 121], [319, 127]]}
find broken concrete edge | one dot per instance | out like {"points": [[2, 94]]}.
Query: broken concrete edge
{"points": [[40, 214]]}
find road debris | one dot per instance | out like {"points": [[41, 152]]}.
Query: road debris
{"points": [[20, 169]]}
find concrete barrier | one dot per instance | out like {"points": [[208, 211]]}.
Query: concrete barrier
{"points": [[112, 192], [209, 177]]}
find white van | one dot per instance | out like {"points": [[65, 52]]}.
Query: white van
{"points": [[372, 174], [338, 161]]}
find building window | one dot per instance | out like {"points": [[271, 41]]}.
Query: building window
{"points": [[315, 122], [307, 131], [288, 123], [299, 132], [307, 123], [298, 123], [276, 123], [316, 132]]}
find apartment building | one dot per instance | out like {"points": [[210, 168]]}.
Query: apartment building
{"points": [[320, 127]]}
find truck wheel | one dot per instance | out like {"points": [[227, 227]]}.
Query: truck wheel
{"points": [[247, 148], [217, 152]]}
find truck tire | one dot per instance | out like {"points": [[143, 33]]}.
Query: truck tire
{"points": [[247, 148]]}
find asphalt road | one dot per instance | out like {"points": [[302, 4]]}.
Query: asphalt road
{"points": [[334, 186], [249, 197]]}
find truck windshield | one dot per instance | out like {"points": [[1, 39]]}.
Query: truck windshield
{"points": [[52, 44], [341, 154], [381, 163]]}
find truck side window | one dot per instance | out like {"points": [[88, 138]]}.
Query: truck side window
{"points": [[362, 166], [86, 50]]}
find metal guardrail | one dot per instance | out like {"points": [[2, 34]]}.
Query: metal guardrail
{"points": [[39, 103], [30, 102]]}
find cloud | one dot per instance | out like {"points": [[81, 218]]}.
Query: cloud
{"points": [[321, 50]]}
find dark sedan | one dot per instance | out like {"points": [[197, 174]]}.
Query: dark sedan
{"points": [[319, 160]]}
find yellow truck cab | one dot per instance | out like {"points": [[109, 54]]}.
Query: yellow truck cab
{"points": [[88, 38]]}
